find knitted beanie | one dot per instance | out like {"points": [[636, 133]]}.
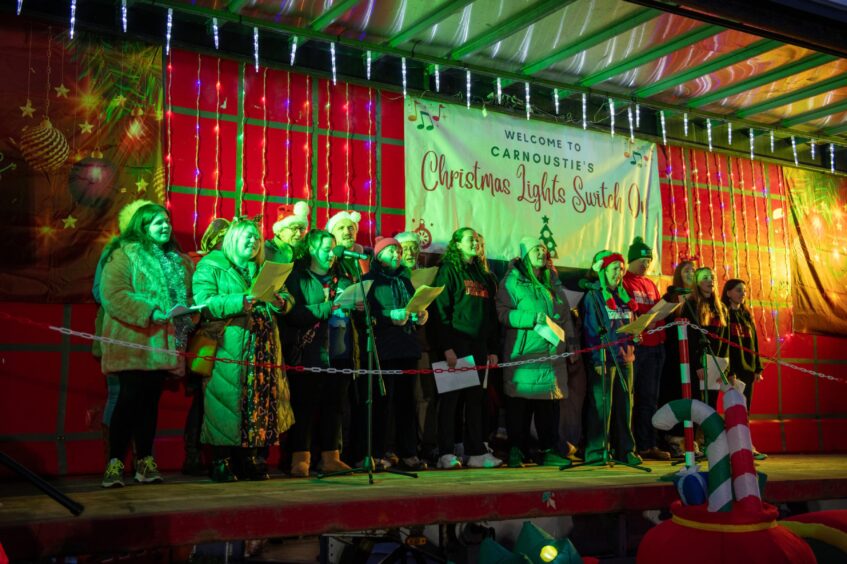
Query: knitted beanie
{"points": [[529, 243], [384, 242], [639, 250]]}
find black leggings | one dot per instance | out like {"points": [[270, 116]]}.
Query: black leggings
{"points": [[136, 412], [318, 396]]}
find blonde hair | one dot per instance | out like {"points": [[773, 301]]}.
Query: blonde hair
{"points": [[236, 228]]}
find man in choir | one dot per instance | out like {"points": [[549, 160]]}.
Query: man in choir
{"points": [[649, 353], [288, 233]]}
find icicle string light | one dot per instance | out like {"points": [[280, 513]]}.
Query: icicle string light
{"points": [[526, 99], [264, 146], [20, 7], [332, 63], [197, 86], [347, 113], [217, 139], [631, 124], [794, 150], [685, 123], [256, 48], [729, 133], [772, 141], [293, 50], [812, 148], [328, 148], [664, 127], [168, 29], [437, 79], [556, 100], [73, 18], [637, 115], [612, 117], [832, 158], [403, 70], [499, 91], [709, 132], [215, 33], [288, 151], [584, 110], [468, 88], [123, 14], [752, 144], [368, 64]]}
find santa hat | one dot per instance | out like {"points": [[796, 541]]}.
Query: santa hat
{"points": [[383, 242], [126, 213], [289, 216], [529, 243], [408, 237], [603, 261], [353, 216]]}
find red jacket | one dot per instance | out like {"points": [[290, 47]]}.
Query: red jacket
{"points": [[646, 294]]}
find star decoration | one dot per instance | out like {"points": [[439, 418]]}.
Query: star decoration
{"points": [[137, 112], [141, 185], [545, 219], [85, 127], [69, 222], [119, 100], [61, 91], [27, 111]]}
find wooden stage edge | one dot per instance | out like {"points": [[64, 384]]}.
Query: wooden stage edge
{"points": [[186, 511]]}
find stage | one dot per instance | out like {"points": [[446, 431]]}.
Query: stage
{"points": [[185, 511]]}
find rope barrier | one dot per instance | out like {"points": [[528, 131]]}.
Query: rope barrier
{"points": [[363, 371]]}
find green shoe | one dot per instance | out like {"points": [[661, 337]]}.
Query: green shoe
{"points": [[515, 458], [114, 475], [553, 458], [146, 471]]}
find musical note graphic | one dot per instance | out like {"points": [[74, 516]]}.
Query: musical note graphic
{"points": [[437, 118], [633, 161], [414, 116], [425, 113]]}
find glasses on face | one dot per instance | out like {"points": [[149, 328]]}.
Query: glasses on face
{"points": [[296, 228]]}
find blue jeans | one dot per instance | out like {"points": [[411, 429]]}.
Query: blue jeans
{"points": [[649, 363]]}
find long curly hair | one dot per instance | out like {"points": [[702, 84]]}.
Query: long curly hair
{"points": [[453, 256], [707, 306], [137, 231]]}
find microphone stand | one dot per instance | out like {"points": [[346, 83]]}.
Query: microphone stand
{"points": [[608, 459], [368, 465]]}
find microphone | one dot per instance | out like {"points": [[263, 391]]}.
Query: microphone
{"points": [[588, 285], [679, 290], [341, 252]]}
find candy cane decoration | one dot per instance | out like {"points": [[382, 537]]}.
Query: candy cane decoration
{"points": [[745, 483], [720, 483], [685, 376]]}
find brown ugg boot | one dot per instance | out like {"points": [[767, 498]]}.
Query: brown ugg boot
{"points": [[331, 462], [300, 462]]}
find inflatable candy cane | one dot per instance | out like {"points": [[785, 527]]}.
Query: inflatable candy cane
{"points": [[720, 483], [745, 483]]}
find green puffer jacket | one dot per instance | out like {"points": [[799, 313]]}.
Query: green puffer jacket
{"points": [[219, 286], [519, 299]]}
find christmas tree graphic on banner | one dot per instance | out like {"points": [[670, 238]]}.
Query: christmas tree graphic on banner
{"points": [[547, 238]]}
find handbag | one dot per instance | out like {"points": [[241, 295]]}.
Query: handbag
{"points": [[204, 343]]}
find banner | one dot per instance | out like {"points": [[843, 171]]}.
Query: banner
{"points": [[578, 191], [818, 252], [80, 137]]}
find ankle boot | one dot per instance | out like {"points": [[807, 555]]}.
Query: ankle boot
{"points": [[300, 462], [331, 462], [221, 471], [255, 468]]}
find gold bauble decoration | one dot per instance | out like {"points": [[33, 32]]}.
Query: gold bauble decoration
{"points": [[44, 147]]}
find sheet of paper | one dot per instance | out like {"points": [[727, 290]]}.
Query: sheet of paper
{"points": [[715, 366], [271, 278], [179, 310], [449, 381], [662, 309], [550, 331], [638, 326], [353, 294], [424, 276], [424, 296]]}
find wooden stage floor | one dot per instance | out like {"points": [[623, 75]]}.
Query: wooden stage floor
{"points": [[186, 511]]}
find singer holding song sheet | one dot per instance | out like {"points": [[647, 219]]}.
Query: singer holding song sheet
{"points": [[144, 276], [466, 320], [531, 296], [247, 402], [609, 407], [314, 285]]}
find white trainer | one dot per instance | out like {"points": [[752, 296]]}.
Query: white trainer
{"points": [[448, 462], [486, 460]]}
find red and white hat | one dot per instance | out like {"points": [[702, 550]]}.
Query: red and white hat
{"points": [[292, 215], [353, 216]]}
